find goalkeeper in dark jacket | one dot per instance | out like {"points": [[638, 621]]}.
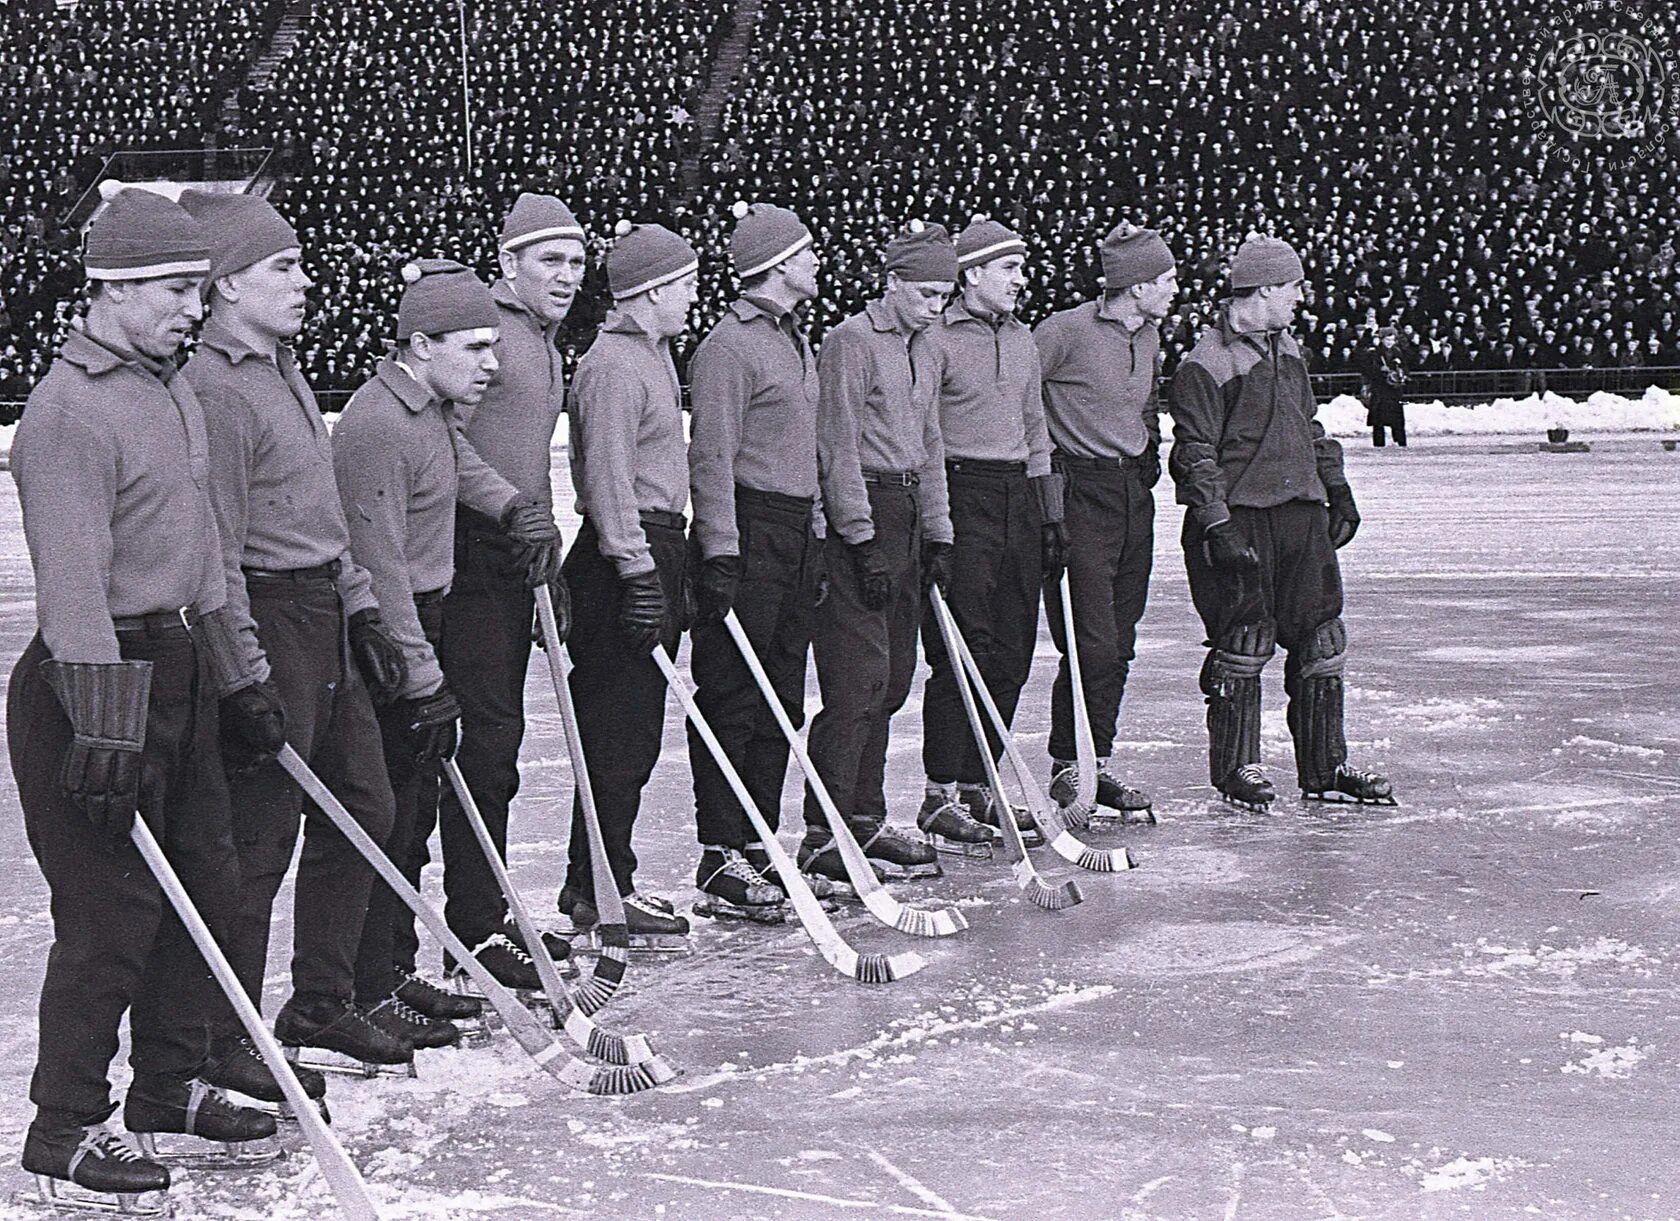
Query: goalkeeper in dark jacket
{"points": [[1268, 506]]}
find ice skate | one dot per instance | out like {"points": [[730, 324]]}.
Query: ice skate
{"points": [[559, 950], [411, 1026], [418, 992], [952, 829], [240, 1069], [1350, 786], [819, 861], [896, 855], [1117, 804], [977, 799], [94, 1170], [651, 924], [824, 890], [357, 1047], [1249, 788], [206, 1131], [729, 888]]}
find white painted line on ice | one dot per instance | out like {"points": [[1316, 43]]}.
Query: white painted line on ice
{"points": [[902, 1210], [911, 1184]]}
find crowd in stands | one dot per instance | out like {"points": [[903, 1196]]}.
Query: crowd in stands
{"points": [[1395, 144]]}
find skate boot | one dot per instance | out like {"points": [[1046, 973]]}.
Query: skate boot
{"points": [[1350, 786], [1128, 805], [1249, 788], [93, 1169], [332, 1024], [411, 1026], [821, 888], [897, 855], [950, 828], [977, 799], [819, 861], [729, 888], [240, 1068], [558, 949], [653, 924], [227, 1135], [420, 993]]}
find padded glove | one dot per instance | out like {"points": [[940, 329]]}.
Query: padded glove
{"points": [[378, 656], [106, 704], [253, 727], [434, 724], [642, 611], [874, 581], [1344, 516]]}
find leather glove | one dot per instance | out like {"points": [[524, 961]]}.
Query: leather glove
{"points": [[1227, 551], [1053, 550], [253, 727], [1344, 516], [1149, 471], [642, 611], [561, 595], [378, 656], [101, 771], [936, 566], [874, 581], [530, 524], [434, 724], [715, 588]]}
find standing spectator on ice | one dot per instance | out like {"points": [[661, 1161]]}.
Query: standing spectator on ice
{"points": [[1384, 367]]}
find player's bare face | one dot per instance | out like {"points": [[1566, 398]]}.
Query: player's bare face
{"points": [[460, 364], [673, 302], [156, 316], [996, 287], [1155, 297], [269, 294], [547, 276], [800, 273], [1284, 300], [918, 302]]}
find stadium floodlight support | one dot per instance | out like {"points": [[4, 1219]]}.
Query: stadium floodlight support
{"points": [[466, 90]]}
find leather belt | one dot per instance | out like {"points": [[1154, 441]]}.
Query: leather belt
{"points": [[898, 479], [320, 572], [157, 623]]}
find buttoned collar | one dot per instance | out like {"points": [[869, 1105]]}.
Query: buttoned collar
{"points": [[958, 311], [96, 358], [220, 338], [622, 322], [401, 383], [881, 318]]}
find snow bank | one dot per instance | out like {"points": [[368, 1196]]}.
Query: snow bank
{"points": [[1657, 410]]}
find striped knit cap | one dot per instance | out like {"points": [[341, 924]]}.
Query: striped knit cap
{"points": [[140, 235], [646, 256], [985, 240], [535, 218], [765, 235]]}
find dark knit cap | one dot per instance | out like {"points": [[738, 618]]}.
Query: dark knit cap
{"points": [[1263, 260], [535, 218], [984, 240], [923, 252], [140, 235], [442, 296], [1133, 255], [243, 229], [765, 235], [646, 256]]}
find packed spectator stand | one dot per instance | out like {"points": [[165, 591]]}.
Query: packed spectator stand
{"points": [[1393, 143]]}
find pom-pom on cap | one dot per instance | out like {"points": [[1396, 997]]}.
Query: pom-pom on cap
{"points": [[646, 256], [984, 240], [923, 252], [623, 226], [537, 218], [141, 235], [739, 209], [1133, 255], [765, 236], [442, 296]]}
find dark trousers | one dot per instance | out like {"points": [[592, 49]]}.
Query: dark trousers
{"points": [[485, 650], [1298, 587], [866, 660], [997, 567], [1110, 525], [330, 722], [619, 694], [389, 943], [117, 944], [1397, 426], [780, 568]]}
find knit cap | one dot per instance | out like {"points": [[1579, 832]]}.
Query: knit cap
{"points": [[984, 240], [442, 296], [141, 235], [923, 252], [535, 218], [1262, 260], [1133, 255], [646, 256], [243, 229], [765, 235]]}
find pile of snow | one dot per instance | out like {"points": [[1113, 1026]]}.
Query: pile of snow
{"points": [[1657, 410]]}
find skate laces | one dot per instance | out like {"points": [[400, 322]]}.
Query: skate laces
{"points": [[1252, 772], [406, 1013], [102, 1141], [736, 865], [646, 905], [501, 941]]}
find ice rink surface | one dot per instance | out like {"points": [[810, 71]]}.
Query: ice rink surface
{"points": [[1466, 1006]]}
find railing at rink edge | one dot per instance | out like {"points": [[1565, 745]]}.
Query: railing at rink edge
{"points": [[1449, 386]]}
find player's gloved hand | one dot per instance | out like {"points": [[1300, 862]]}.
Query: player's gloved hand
{"points": [[1227, 551], [642, 611], [561, 596], [530, 524], [1149, 466], [378, 656], [253, 727], [101, 771], [874, 579], [434, 724], [936, 566], [715, 588], [1344, 516], [1052, 550]]}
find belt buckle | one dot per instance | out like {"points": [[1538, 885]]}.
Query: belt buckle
{"points": [[186, 624]]}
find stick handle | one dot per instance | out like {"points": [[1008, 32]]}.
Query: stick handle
{"points": [[1086, 749], [341, 1174]]}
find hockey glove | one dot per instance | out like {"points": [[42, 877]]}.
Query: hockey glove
{"points": [[936, 566], [1053, 550], [715, 588], [433, 724], [253, 727], [530, 525], [1344, 516], [642, 611], [1227, 551], [106, 704], [379, 657], [561, 595], [874, 581]]}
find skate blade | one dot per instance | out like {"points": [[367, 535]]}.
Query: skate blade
{"points": [[1253, 807], [1333, 798], [324, 1061], [197, 1153], [478, 1031], [959, 848], [1115, 820], [714, 908], [886, 871], [838, 892], [57, 1197]]}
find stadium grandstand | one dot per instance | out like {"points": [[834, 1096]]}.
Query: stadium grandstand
{"points": [[1393, 143]]}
